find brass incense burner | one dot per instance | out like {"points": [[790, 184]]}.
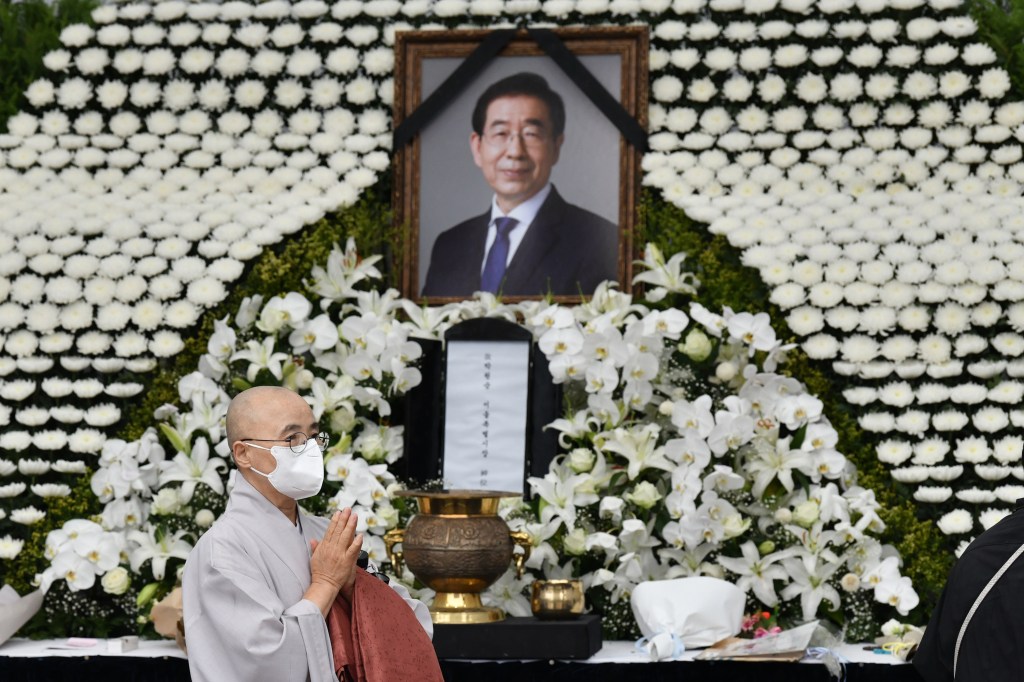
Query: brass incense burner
{"points": [[557, 599], [457, 545]]}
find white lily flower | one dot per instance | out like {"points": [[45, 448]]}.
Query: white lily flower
{"points": [[757, 573], [158, 547], [193, 468], [810, 575], [640, 449], [261, 355]]}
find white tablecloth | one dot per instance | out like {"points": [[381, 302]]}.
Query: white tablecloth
{"points": [[27, 648], [611, 652]]}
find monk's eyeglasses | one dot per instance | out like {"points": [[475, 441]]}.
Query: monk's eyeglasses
{"points": [[296, 441]]}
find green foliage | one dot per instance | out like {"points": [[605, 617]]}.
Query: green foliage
{"points": [[28, 30], [725, 281], [278, 270], [1001, 25]]}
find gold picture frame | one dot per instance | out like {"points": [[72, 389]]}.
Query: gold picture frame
{"points": [[437, 184]]}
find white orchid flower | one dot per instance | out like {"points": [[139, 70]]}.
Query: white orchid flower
{"points": [[734, 426], [552, 317], [280, 312], [668, 324], [328, 396], [601, 377], [694, 415], [195, 384], [606, 345], [714, 324], [797, 410], [313, 335], [79, 572], [561, 341], [365, 333], [567, 367], [222, 341], [102, 550], [753, 330]]}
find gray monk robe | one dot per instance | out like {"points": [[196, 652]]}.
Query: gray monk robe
{"points": [[245, 618]]}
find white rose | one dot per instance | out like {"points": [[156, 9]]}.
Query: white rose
{"points": [[581, 460], [735, 525], [644, 495], [575, 542], [116, 581], [806, 513], [166, 501]]}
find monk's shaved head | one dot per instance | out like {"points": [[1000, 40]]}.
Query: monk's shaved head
{"points": [[254, 408]]}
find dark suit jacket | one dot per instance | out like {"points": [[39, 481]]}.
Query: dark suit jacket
{"points": [[567, 250]]}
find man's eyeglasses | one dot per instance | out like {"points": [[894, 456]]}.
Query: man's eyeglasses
{"points": [[530, 137], [296, 441]]}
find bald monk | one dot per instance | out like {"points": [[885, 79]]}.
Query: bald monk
{"points": [[259, 585]]}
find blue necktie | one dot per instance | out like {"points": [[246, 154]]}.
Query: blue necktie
{"points": [[494, 267]]}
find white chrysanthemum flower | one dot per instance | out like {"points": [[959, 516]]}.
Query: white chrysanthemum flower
{"points": [[952, 84], [1009, 493], [930, 451], [249, 94], [911, 474], [914, 422], [1008, 450], [898, 394], [51, 489], [894, 452], [994, 83], [877, 422], [821, 347], [360, 91], [57, 60], [933, 494], [76, 35], [218, 34], [27, 516], [991, 517], [956, 522], [990, 420], [667, 89]]}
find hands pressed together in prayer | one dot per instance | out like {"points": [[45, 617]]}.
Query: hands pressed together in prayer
{"points": [[333, 564]]}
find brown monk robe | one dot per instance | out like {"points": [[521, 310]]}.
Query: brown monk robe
{"points": [[377, 638]]}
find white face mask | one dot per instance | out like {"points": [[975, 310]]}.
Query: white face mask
{"points": [[298, 474]]}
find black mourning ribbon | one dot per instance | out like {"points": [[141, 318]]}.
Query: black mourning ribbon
{"points": [[488, 49]]}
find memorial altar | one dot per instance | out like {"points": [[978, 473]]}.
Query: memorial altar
{"points": [[746, 306]]}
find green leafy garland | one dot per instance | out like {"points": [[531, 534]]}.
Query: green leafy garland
{"points": [[1001, 25], [28, 30]]}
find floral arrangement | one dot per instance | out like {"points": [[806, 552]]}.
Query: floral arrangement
{"points": [[865, 157], [683, 452]]}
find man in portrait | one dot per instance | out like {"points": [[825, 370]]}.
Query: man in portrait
{"points": [[531, 241]]}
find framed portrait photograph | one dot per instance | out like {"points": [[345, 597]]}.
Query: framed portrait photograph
{"points": [[519, 184]]}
